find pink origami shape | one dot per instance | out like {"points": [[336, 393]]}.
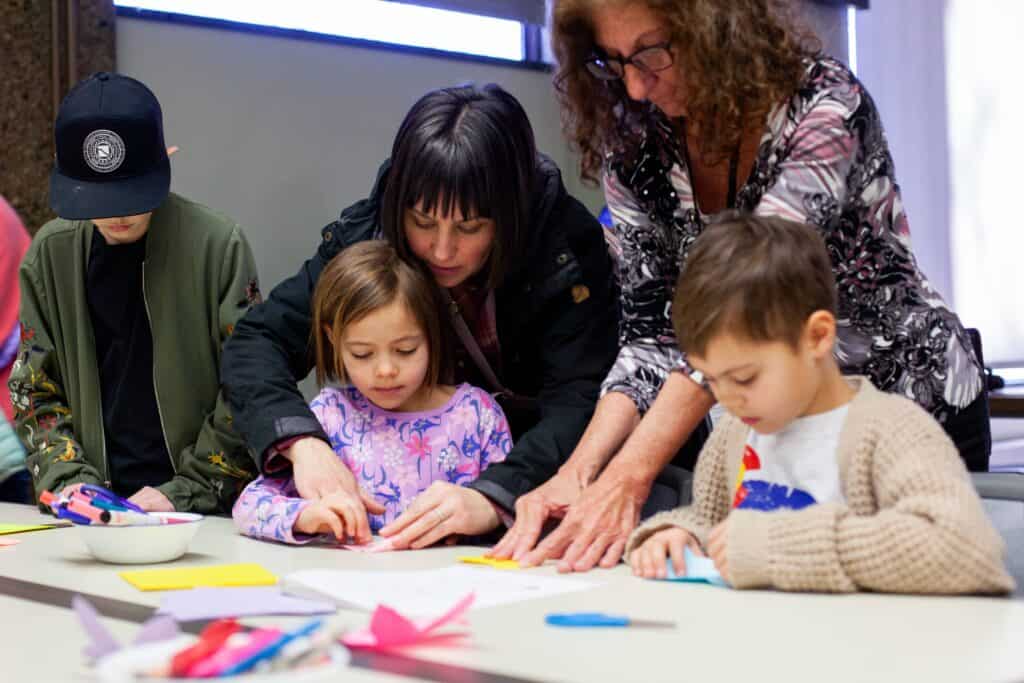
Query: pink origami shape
{"points": [[389, 629]]}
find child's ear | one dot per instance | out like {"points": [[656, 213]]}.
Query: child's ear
{"points": [[820, 333]]}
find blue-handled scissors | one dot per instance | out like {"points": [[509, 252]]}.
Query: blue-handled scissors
{"points": [[600, 619], [104, 498]]}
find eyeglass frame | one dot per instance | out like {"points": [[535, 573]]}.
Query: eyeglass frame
{"points": [[626, 61]]}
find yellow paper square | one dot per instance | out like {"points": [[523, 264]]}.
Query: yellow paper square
{"points": [[489, 561], [181, 578], [21, 528]]}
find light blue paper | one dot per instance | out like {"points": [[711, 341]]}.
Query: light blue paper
{"points": [[698, 570]]}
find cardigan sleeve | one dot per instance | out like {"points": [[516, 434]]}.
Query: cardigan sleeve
{"points": [[929, 534], [710, 494]]}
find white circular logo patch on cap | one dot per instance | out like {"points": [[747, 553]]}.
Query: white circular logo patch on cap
{"points": [[103, 151]]}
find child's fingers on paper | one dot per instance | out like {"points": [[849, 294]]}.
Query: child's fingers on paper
{"points": [[676, 550], [343, 511]]}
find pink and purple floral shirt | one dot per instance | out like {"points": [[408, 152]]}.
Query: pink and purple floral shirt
{"points": [[394, 456]]}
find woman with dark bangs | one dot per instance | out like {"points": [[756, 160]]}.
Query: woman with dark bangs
{"points": [[528, 288], [683, 108]]}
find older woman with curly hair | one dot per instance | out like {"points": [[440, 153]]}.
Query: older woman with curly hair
{"points": [[684, 108]]}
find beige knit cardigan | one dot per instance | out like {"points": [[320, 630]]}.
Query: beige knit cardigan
{"points": [[912, 521]]}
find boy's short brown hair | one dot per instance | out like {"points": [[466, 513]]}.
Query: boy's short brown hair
{"points": [[361, 279], [756, 277]]}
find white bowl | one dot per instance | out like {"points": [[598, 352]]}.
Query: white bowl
{"points": [[141, 544]]}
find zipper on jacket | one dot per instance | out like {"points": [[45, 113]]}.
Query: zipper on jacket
{"points": [[156, 391], [103, 442]]}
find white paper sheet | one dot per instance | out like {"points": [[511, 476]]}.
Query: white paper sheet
{"points": [[427, 592]]}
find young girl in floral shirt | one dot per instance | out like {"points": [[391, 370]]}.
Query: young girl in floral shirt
{"points": [[376, 329]]}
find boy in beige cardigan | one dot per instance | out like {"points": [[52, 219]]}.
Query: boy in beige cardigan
{"points": [[813, 481]]}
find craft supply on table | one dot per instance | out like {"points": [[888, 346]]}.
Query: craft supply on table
{"points": [[698, 570], [180, 578], [219, 603], [602, 620], [488, 561]]}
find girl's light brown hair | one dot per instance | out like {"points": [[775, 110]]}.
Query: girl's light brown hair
{"points": [[737, 59], [754, 277], [361, 279]]}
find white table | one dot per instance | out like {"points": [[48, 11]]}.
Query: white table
{"points": [[722, 635]]}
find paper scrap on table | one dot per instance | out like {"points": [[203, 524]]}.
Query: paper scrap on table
{"points": [[427, 592], [698, 570], [22, 528], [195, 577], [377, 545], [102, 643], [219, 603], [388, 629], [489, 561], [9, 541]]}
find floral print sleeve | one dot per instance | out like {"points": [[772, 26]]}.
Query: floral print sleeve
{"points": [[42, 414], [268, 509]]}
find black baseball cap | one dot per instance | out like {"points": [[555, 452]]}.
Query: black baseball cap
{"points": [[111, 157]]}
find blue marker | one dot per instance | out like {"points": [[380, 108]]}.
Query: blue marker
{"points": [[271, 650]]}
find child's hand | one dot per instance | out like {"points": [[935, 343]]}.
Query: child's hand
{"points": [[340, 514], [151, 500], [717, 548], [648, 559]]}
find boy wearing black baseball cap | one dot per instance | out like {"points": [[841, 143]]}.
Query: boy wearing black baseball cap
{"points": [[125, 302]]}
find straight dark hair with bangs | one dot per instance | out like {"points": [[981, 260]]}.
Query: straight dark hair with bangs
{"points": [[470, 148]]}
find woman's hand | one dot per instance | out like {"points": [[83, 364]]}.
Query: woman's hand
{"points": [[341, 514], [319, 472], [442, 510], [549, 500], [648, 559], [596, 527]]}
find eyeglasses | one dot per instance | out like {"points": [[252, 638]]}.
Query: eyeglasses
{"points": [[648, 60]]}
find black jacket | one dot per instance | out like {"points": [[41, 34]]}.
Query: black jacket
{"points": [[553, 348]]}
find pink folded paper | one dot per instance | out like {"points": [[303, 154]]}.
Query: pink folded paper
{"points": [[380, 545], [389, 629], [9, 541]]}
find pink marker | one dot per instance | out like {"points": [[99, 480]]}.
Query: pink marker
{"points": [[228, 656]]}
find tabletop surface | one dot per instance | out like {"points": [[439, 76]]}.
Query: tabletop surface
{"points": [[720, 634]]}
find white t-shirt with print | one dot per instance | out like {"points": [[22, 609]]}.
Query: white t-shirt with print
{"points": [[794, 467]]}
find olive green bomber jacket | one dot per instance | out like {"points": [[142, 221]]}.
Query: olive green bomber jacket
{"points": [[199, 279]]}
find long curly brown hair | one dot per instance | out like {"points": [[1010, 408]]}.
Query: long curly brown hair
{"points": [[738, 59]]}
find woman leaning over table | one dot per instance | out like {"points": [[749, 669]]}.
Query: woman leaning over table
{"points": [[683, 108]]}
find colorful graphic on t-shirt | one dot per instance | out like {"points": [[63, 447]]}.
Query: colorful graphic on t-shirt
{"points": [[755, 494]]}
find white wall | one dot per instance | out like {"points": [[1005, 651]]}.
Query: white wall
{"points": [[901, 61], [282, 133]]}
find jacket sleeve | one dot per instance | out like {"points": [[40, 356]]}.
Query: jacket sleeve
{"points": [[214, 470], [648, 271], [577, 342], [711, 496], [930, 533], [264, 360], [42, 414]]}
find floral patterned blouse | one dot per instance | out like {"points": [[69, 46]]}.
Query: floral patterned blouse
{"points": [[823, 159], [395, 456]]}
